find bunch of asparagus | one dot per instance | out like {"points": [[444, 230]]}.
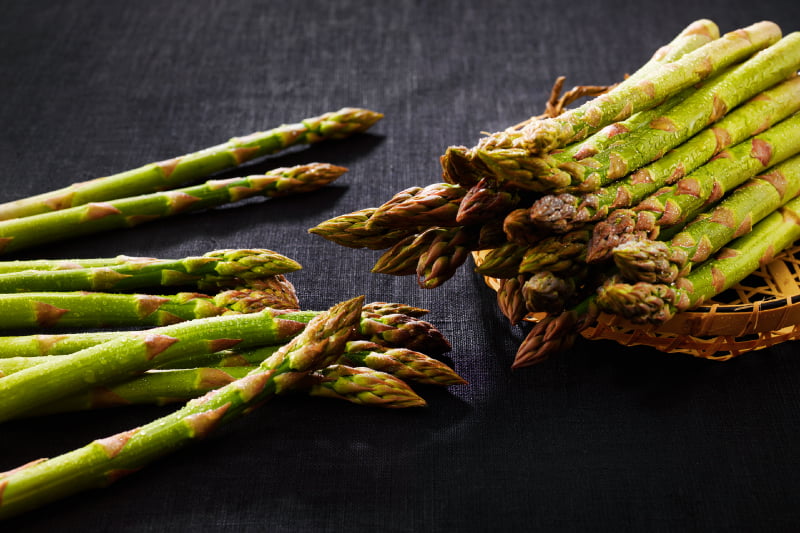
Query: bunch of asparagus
{"points": [[221, 354], [644, 201], [115, 331], [220, 367], [163, 189]]}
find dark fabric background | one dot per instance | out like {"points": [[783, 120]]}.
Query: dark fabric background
{"points": [[599, 438]]}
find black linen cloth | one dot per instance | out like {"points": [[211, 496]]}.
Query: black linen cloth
{"points": [[598, 438]]}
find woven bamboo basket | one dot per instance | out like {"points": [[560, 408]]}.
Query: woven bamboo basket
{"points": [[761, 311]]}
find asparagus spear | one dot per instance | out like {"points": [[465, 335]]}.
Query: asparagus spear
{"points": [[664, 262], [215, 269], [403, 257], [656, 303], [462, 166], [448, 250], [703, 107], [546, 292], [565, 212], [433, 205], [555, 333], [484, 201], [503, 261], [10, 364], [519, 229], [19, 265], [394, 308], [559, 253], [105, 460], [403, 363], [20, 233], [671, 207], [510, 300], [98, 309], [399, 330], [350, 230], [409, 365], [180, 170], [389, 324], [362, 386], [628, 97]]}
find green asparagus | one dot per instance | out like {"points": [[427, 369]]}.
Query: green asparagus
{"points": [[181, 170], [703, 107], [565, 212], [665, 261], [105, 460], [20, 233], [656, 303], [219, 268]]}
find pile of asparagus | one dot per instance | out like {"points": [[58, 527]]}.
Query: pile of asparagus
{"points": [[217, 334], [644, 201], [219, 353]]}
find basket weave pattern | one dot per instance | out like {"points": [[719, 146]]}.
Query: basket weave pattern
{"points": [[761, 311]]}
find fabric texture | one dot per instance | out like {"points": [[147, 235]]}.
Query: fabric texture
{"points": [[598, 438]]}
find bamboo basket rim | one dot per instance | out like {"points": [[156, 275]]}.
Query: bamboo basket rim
{"points": [[761, 311]]}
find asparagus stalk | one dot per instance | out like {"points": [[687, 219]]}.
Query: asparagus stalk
{"points": [[20, 265], [394, 308], [629, 97], [39, 345], [350, 230], [564, 254], [223, 358], [215, 269], [565, 212], [98, 309], [510, 300], [408, 365], [656, 303], [403, 363], [519, 229], [703, 107], [462, 166], [448, 250], [436, 204], [546, 292], [403, 257], [399, 330], [20, 233], [503, 261], [671, 207], [105, 460], [484, 201], [181, 170], [390, 324], [664, 262], [555, 333], [362, 386]]}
